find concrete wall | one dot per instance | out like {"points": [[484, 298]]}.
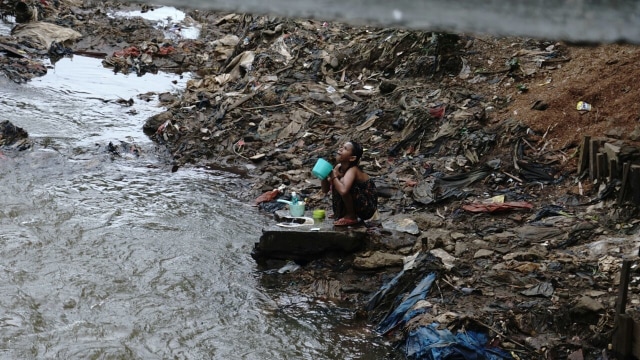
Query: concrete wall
{"points": [[574, 20]]}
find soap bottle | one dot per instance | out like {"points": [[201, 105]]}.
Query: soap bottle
{"points": [[294, 198]]}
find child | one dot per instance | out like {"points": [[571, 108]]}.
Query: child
{"points": [[353, 192]]}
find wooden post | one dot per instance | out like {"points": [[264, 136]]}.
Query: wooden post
{"points": [[623, 289], [594, 146], [634, 181], [601, 166], [613, 169], [622, 341], [622, 194], [623, 329], [583, 161], [613, 153]]}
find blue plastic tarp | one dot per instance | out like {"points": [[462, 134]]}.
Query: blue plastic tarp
{"points": [[382, 292], [397, 317], [430, 343]]}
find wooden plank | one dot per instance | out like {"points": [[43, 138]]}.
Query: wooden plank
{"points": [[635, 343], [583, 161], [634, 181], [14, 51], [613, 169], [623, 329], [601, 166], [624, 188], [621, 302], [622, 341], [594, 146]]}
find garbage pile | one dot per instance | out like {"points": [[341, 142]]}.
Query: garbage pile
{"points": [[487, 237], [13, 137]]}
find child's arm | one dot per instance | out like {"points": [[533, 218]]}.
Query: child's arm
{"points": [[343, 185], [328, 181]]}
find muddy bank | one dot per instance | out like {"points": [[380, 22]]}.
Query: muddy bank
{"points": [[474, 143]]}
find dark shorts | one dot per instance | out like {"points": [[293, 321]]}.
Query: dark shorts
{"points": [[365, 200]]}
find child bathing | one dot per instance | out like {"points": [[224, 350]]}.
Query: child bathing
{"points": [[354, 194]]}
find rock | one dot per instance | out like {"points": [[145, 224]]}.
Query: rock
{"points": [[586, 305], [378, 260], [522, 256], [69, 303], [396, 240], [11, 134], [616, 133], [401, 223], [461, 248], [428, 220], [482, 253], [387, 86], [436, 238], [482, 244], [499, 238], [447, 260], [541, 341], [635, 134], [153, 123]]}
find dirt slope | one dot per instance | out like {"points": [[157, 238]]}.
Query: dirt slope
{"points": [[605, 77]]}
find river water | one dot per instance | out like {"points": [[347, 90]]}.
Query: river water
{"points": [[105, 256]]}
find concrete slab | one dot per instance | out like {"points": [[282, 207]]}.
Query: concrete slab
{"points": [[304, 239]]}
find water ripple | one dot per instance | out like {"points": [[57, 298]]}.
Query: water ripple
{"points": [[118, 257]]}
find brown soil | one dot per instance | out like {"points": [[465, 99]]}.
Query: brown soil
{"points": [[497, 93], [602, 76]]}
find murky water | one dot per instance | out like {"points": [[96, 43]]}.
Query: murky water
{"points": [[118, 257], [174, 22]]}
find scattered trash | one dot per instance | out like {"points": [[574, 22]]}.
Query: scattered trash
{"points": [[269, 195], [296, 221], [438, 111], [497, 207], [318, 214], [540, 105], [289, 268], [583, 106], [440, 188], [543, 289]]}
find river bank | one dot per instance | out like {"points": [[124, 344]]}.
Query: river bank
{"points": [[474, 143]]}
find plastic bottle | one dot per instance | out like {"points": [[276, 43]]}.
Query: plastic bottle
{"points": [[294, 198]]}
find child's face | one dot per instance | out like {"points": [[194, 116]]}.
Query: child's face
{"points": [[345, 153]]}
